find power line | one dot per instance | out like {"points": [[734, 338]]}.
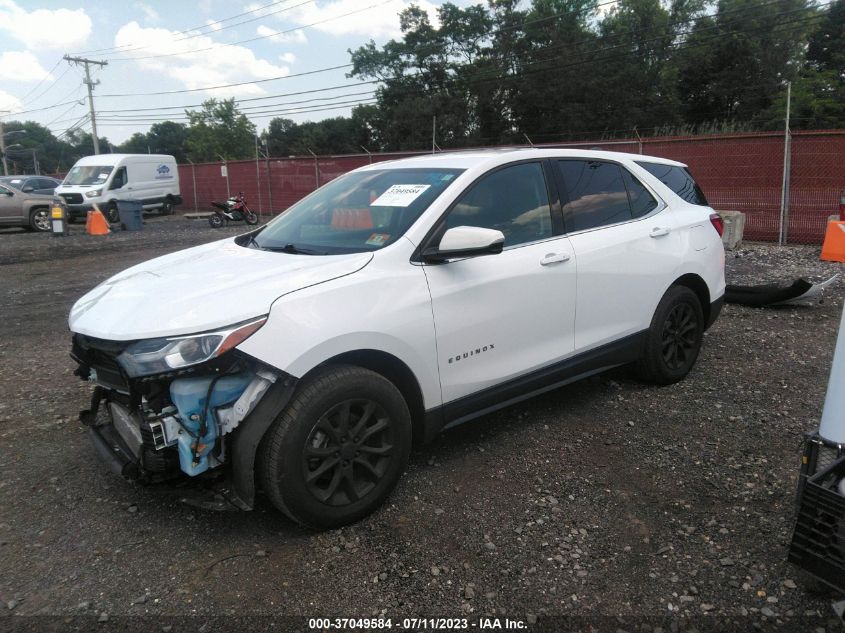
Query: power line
{"points": [[186, 31], [260, 37], [676, 46], [189, 37]]}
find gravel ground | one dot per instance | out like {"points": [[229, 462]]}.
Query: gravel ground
{"points": [[605, 505]]}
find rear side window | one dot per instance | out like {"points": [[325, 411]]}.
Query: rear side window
{"points": [[595, 194], [642, 202], [679, 180]]}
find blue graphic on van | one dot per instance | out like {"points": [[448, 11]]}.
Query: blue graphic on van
{"points": [[163, 171]]}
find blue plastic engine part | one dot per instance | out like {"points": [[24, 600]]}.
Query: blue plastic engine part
{"points": [[189, 395]]}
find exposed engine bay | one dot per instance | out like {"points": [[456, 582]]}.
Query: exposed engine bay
{"points": [[156, 427]]}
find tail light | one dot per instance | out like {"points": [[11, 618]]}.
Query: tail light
{"points": [[842, 207], [718, 223]]}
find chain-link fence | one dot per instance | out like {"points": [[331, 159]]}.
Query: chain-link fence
{"points": [[738, 172]]}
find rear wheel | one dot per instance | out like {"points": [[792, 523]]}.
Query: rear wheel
{"points": [[215, 220], [167, 207], [39, 219], [674, 338], [338, 449]]}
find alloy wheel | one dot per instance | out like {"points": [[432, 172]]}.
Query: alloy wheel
{"points": [[347, 452], [680, 333]]}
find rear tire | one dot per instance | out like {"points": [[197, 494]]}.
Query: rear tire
{"points": [[338, 449], [167, 207], [674, 338], [216, 221]]}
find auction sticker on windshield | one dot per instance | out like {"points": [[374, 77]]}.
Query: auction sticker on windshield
{"points": [[399, 196]]}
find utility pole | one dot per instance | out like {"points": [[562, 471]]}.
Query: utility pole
{"points": [[87, 81]]}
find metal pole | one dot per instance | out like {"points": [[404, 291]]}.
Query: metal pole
{"points": [[35, 163], [226, 168], [3, 146], [257, 177], [316, 168], [833, 420], [433, 134], [787, 150], [194, 178], [369, 155], [90, 84]]}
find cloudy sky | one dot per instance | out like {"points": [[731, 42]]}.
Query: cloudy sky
{"points": [[187, 51]]}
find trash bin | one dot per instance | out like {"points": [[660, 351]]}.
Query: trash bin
{"points": [[130, 214]]}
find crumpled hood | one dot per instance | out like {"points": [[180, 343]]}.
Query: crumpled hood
{"points": [[200, 289]]}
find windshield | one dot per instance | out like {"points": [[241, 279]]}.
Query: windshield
{"points": [[357, 212], [87, 175], [17, 183]]}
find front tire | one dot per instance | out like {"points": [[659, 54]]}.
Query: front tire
{"points": [[166, 207], [39, 219], [251, 218], [674, 338], [338, 449], [110, 212]]}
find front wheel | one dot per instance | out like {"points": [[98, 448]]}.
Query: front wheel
{"points": [[674, 338], [166, 207], [216, 221], [337, 450], [39, 219], [110, 212], [251, 217]]}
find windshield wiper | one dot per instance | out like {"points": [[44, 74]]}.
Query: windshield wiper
{"points": [[293, 249]]}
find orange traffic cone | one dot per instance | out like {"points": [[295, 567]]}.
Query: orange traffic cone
{"points": [[833, 248], [95, 223]]}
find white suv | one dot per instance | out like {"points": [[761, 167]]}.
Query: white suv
{"points": [[397, 300]]}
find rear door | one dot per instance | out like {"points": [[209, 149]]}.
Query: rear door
{"points": [[626, 246], [499, 317]]}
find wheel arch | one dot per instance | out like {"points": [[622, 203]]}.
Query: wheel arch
{"points": [[393, 369], [697, 284]]}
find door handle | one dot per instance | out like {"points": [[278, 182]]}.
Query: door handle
{"points": [[553, 258], [658, 232]]}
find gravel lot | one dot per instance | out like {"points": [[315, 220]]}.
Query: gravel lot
{"points": [[606, 504]]}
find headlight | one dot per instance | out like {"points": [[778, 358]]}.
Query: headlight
{"points": [[160, 355], [95, 193]]}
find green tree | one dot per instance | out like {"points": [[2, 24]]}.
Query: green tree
{"points": [[734, 64], [169, 137], [219, 129]]}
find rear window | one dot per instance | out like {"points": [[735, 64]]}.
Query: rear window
{"points": [[679, 180]]}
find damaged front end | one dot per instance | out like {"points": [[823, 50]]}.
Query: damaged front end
{"points": [[168, 407]]}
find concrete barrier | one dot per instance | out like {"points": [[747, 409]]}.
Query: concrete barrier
{"points": [[734, 228]]}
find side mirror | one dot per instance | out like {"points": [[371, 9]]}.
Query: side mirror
{"points": [[466, 241], [28, 189]]}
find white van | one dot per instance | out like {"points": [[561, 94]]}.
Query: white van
{"points": [[106, 178]]}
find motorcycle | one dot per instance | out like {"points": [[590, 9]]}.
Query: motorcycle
{"points": [[234, 209]]}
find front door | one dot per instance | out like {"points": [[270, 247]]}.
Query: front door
{"points": [[499, 317], [10, 205]]}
